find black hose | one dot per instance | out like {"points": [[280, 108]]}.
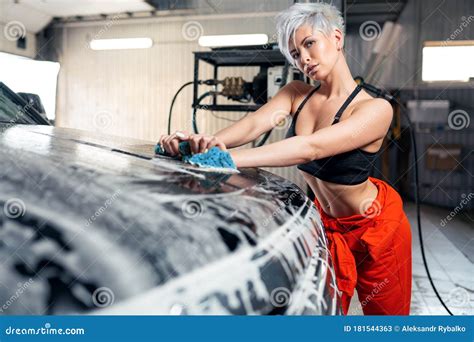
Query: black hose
{"points": [[265, 138], [202, 97], [417, 200], [391, 98], [172, 104]]}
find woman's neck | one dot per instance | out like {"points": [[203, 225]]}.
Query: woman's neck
{"points": [[339, 82]]}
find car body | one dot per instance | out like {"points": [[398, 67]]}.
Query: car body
{"points": [[96, 224]]}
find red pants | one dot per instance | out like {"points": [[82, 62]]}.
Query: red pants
{"points": [[372, 252]]}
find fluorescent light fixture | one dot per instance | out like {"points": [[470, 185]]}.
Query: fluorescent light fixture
{"points": [[448, 61], [233, 40], [121, 43]]}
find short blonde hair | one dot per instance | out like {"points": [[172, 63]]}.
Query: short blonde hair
{"points": [[321, 16]]}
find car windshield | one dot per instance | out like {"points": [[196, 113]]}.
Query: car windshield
{"points": [[14, 109]]}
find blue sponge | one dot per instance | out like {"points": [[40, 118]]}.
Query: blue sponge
{"points": [[214, 158]]}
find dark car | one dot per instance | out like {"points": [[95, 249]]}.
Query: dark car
{"points": [[98, 224]]}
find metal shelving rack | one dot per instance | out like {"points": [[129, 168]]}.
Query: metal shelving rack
{"points": [[250, 56]]}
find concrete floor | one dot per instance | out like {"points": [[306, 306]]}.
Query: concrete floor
{"points": [[450, 254]]}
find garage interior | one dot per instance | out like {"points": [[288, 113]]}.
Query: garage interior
{"points": [[47, 48]]}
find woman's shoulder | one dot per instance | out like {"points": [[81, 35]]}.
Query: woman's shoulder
{"points": [[302, 87], [297, 90], [370, 104]]}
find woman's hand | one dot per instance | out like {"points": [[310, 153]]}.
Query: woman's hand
{"points": [[199, 143], [170, 143]]}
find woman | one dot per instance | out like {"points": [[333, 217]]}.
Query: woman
{"points": [[337, 129]]}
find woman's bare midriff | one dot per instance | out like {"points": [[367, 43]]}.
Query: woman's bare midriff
{"points": [[338, 200]]}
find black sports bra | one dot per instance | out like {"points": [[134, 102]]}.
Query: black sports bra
{"points": [[349, 168]]}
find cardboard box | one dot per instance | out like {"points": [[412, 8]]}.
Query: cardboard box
{"points": [[443, 157]]}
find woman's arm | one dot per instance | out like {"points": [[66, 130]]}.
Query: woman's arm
{"points": [[264, 119], [366, 124], [245, 130], [288, 152]]}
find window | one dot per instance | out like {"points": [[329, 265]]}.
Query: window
{"points": [[26, 75], [448, 61]]}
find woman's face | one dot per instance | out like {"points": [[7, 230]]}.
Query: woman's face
{"points": [[315, 54]]}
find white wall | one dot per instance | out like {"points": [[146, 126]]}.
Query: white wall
{"points": [[9, 44]]}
